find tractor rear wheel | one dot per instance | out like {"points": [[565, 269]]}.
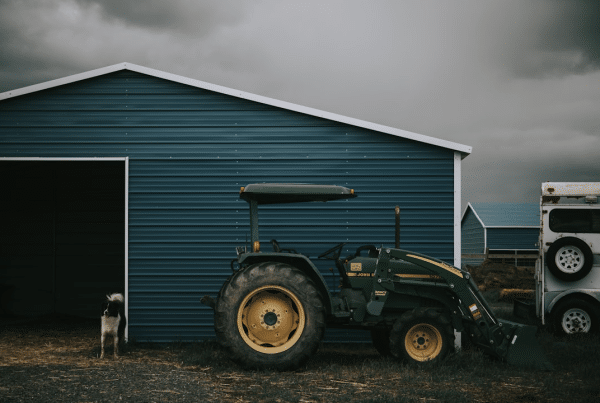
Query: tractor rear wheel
{"points": [[270, 315], [422, 335], [381, 341]]}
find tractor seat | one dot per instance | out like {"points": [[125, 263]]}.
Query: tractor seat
{"points": [[277, 248], [372, 249]]}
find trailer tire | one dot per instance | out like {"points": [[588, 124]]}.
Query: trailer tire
{"points": [[569, 259], [422, 335], [269, 316], [575, 316]]}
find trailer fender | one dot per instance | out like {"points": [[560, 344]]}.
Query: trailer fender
{"points": [[586, 294]]}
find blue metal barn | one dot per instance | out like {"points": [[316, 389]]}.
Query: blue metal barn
{"points": [[499, 228], [127, 178]]}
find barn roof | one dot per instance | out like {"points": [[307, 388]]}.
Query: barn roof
{"points": [[463, 149], [495, 215]]}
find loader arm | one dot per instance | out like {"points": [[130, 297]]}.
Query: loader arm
{"points": [[508, 341]]}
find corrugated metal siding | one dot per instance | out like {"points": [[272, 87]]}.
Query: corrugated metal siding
{"points": [[508, 214], [473, 237], [513, 238], [191, 150]]}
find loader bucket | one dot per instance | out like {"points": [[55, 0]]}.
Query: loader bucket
{"points": [[524, 350]]}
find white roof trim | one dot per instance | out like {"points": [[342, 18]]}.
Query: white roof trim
{"points": [[469, 206], [513, 226], [516, 250], [63, 159], [465, 150], [571, 189]]}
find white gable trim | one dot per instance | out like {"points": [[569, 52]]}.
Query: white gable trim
{"points": [[469, 206], [463, 149]]}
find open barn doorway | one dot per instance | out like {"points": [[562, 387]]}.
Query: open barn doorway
{"points": [[63, 235]]}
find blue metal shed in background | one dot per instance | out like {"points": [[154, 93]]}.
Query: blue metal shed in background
{"points": [[127, 178], [509, 228]]}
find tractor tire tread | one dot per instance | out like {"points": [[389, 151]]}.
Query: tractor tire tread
{"points": [[245, 281], [435, 315]]}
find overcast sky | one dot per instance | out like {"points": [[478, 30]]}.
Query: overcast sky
{"points": [[519, 81]]}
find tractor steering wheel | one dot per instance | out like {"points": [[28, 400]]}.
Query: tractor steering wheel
{"points": [[337, 249], [275, 244]]}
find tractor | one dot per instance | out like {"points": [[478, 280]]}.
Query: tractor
{"points": [[271, 313]]}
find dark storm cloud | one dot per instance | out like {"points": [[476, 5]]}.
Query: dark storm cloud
{"points": [[199, 17], [44, 40], [24, 59], [516, 80], [566, 41]]}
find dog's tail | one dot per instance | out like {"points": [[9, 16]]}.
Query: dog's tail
{"points": [[116, 297]]}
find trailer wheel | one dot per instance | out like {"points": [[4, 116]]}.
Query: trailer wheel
{"points": [[422, 335], [575, 316], [569, 259], [270, 315]]}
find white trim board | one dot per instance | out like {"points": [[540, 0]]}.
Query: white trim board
{"points": [[463, 149], [513, 226], [457, 227], [64, 159], [126, 290], [508, 249], [457, 217]]}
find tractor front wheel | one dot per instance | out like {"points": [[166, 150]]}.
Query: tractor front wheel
{"points": [[422, 335], [270, 315]]}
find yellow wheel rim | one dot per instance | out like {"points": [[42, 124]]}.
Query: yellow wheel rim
{"points": [[423, 342], [271, 319]]}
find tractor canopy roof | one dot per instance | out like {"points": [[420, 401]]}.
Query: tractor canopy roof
{"points": [[273, 193]]}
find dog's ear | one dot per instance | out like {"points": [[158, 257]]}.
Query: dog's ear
{"points": [[103, 307]]}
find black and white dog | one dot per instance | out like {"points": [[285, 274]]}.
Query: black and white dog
{"points": [[113, 321]]}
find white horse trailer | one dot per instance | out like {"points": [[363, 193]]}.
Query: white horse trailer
{"points": [[568, 270]]}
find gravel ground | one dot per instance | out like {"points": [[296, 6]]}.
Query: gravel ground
{"points": [[119, 381], [56, 360]]}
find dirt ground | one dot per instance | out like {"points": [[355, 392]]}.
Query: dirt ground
{"points": [[492, 275], [56, 360]]}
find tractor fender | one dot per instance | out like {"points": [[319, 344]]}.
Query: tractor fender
{"points": [[300, 262]]}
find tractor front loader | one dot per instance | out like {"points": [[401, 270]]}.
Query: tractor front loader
{"points": [[273, 310]]}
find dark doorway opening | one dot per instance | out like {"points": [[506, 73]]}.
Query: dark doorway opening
{"points": [[62, 244]]}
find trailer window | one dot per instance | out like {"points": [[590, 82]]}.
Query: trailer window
{"points": [[575, 220]]}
